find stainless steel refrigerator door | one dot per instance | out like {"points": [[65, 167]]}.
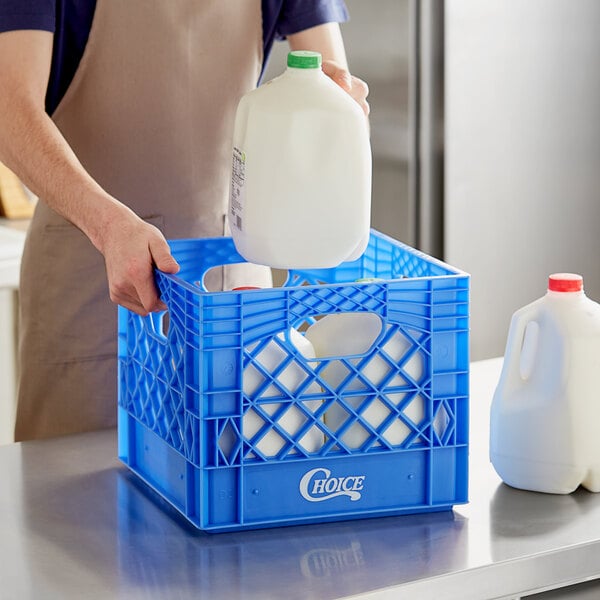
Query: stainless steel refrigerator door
{"points": [[522, 153]]}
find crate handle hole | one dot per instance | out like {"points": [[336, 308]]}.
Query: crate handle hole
{"points": [[215, 279], [165, 322], [157, 325], [343, 334]]}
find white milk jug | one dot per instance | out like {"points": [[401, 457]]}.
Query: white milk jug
{"points": [[350, 335], [301, 177], [545, 416], [289, 417]]}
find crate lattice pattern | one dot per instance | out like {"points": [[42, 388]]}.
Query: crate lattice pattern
{"points": [[159, 383]]}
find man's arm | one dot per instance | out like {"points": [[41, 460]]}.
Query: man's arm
{"points": [[33, 147], [327, 39]]}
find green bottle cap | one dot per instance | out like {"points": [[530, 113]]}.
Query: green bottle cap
{"points": [[304, 59]]}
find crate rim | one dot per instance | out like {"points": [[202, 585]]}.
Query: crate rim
{"points": [[454, 272]]}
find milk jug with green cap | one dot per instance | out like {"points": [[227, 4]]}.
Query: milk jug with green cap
{"points": [[301, 174]]}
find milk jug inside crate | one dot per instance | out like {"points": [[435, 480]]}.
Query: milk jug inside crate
{"points": [[274, 357], [345, 339], [301, 174], [545, 416]]}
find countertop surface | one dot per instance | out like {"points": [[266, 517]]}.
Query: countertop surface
{"points": [[76, 523]]}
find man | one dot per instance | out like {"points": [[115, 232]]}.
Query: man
{"points": [[119, 116]]}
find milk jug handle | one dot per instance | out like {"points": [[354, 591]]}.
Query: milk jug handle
{"points": [[522, 346]]}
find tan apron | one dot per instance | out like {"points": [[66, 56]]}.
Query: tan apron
{"points": [[150, 115]]}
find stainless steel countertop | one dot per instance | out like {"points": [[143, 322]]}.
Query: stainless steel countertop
{"points": [[75, 523]]}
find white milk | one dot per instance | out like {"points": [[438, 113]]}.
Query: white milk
{"points": [[292, 377], [545, 416], [301, 178], [347, 334]]}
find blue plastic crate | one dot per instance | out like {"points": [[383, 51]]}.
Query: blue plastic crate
{"points": [[188, 428]]}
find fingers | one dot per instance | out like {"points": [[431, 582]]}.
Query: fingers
{"points": [[162, 257], [130, 259], [133, 306], [134, 288], [360, 91], [354, 86], [146, 289], [339, 74]]}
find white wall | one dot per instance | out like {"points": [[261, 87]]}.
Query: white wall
{"points": [[12, 239], [8, 364], [522, 181]]}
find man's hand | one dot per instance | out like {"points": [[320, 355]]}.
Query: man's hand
{"points": [[356, 87], [131, 249], [327, 40]]}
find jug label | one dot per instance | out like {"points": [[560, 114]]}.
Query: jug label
{"points": [[238, 179]]}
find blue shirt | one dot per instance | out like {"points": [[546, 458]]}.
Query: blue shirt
{"points": [[71, 20]]}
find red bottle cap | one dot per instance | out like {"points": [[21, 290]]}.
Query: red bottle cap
{"points": [[565, 282]]}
